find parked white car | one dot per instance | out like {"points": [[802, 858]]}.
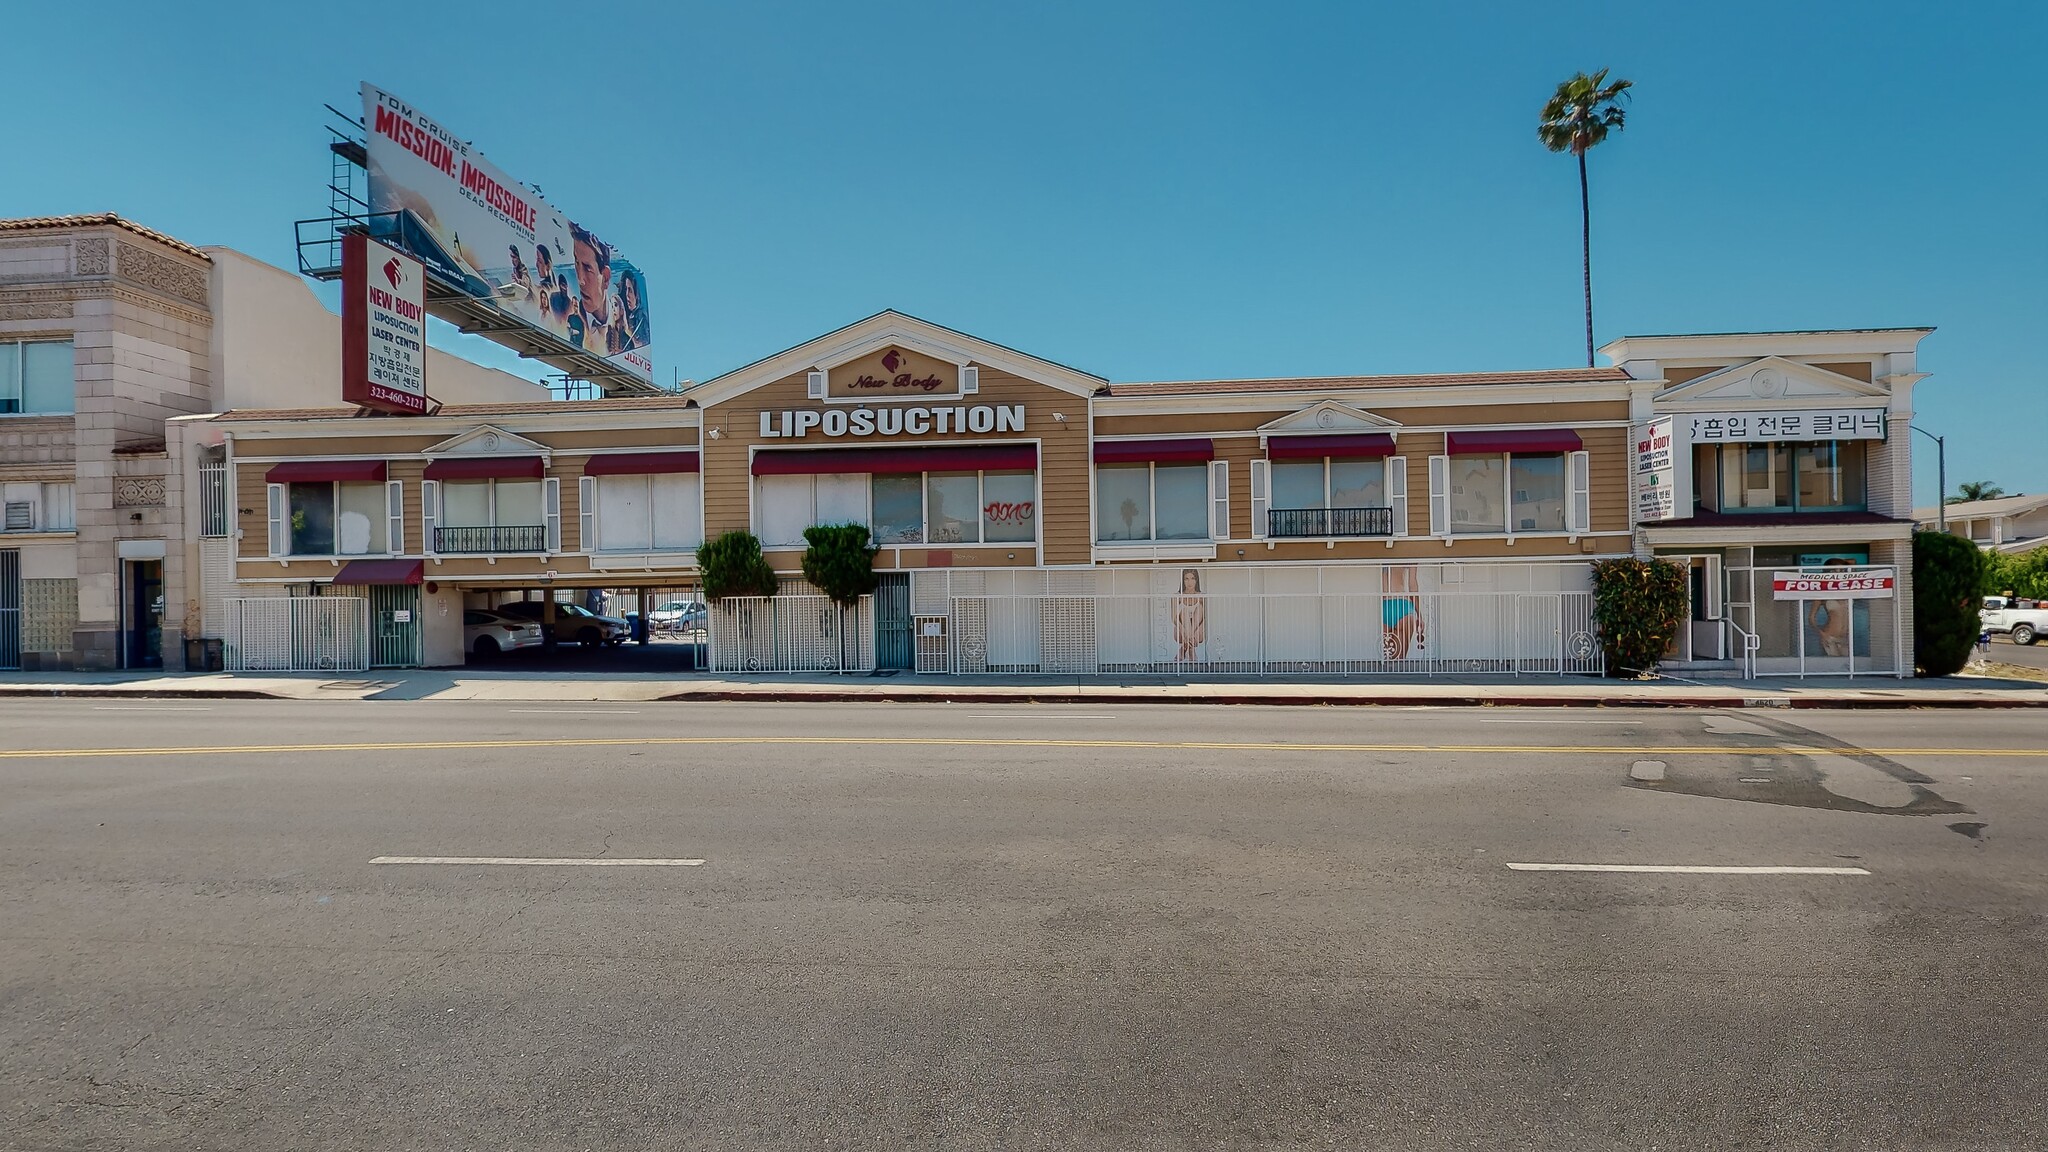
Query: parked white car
{"points": [[486, 634], [2026, 620]]}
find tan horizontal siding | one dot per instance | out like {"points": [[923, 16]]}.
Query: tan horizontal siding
{"points": [[1063, 463]]}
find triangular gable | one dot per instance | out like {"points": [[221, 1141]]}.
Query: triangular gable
{"points": [[1772, 380], [488, 440], [1329, 416], [879, 331]]}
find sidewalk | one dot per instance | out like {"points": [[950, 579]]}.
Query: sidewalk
{"points": [[1439, 691]]}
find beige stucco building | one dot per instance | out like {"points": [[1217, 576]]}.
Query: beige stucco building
{"points": [[108, 329]]}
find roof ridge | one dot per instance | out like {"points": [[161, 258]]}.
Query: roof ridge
{"points": [[100, 219]]}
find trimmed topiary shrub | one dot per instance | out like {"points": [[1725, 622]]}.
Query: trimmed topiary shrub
{"points": [[839, 561], [732, 565], [1637, 606], [1948, 577]]}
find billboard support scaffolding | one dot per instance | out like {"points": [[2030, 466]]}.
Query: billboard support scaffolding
{"points": [[499, 260]]}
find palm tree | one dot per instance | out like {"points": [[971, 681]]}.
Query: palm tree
{"points": [[1976, 490], [1577, 116]]}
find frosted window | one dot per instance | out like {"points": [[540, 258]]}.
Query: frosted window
{"points": [[1009, 507], [953, 507], [783, 509], [842, 498], [1478, 494], [1123, 502], [364, 523], [622, 514], [678, 518]]}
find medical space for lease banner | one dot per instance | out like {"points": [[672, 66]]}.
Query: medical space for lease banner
{"points": [[495, 237], [1833, 591]]}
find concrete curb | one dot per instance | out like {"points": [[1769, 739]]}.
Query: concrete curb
{"points": [[109, 692], [969, 696]]}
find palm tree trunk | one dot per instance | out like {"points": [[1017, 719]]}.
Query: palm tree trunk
{"points": [[1586, 252]]}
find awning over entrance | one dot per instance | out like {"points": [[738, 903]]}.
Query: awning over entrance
{"points": [[1348, 446], [1153, 451], [1519, 440], [813, 461], [381, 572], [641, 463], [487, 468], [316, 471]]}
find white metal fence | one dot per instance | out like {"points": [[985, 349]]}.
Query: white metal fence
{"points": [[297, 634], [792, 634], [1512, 632], [1491, 632]]}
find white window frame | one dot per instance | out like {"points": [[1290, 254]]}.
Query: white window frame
{"points": [[1577, 473], [278, 499], [19, 350], [589, 523], [1261, 497], [1219, 499], [1152, 503], [1397, 493]]}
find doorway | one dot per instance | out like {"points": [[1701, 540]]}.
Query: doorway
{"points": [[395, 626], [892, 623], [143, 638]]}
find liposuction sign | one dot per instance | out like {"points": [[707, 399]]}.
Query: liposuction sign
{"points": [[892, 420]]}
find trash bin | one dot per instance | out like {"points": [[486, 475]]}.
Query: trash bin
{"points": [[639, 628]]}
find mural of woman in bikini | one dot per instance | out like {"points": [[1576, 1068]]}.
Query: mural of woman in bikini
{"points": [[1190, 617], [1401, 610]]}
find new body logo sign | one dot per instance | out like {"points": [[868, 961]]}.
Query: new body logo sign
{"points": [[383, 328]]}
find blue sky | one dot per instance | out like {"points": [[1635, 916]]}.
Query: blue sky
{"points": [[1154, 190]]}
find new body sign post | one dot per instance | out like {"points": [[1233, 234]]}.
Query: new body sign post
{"points": [[383, 328]]}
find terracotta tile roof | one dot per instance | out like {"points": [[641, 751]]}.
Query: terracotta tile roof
{"points": [[506, 408], [31, 223], [1341, 383]]}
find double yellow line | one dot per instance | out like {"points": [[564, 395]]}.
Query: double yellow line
{"points": [[972, 742]]}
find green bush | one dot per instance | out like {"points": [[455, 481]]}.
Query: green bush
{"points": [[732, 565], [2021, 573], [1948, 581], [839, 561], [1637, 605]]}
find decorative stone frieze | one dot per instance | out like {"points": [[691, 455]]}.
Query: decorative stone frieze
{"points": [[162, 273], [138, 491], [90, 255]]}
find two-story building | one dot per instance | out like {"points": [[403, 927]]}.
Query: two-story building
{"points": [[1793, 451], [1029, 516]]}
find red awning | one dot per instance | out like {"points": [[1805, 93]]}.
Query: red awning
{"points": [[641, 463], [1348, 446], [486, 468], [811, 461], [1153, 451], [1526, 440], [314, 471], [381, 572]]}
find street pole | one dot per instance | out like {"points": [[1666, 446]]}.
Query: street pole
{"points": [[1940, 477]]}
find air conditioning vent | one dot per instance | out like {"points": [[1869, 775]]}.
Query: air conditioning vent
{"points": [[20, 517]]}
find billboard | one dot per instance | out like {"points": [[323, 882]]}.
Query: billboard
{"points": [[476, 227], [383, 327]]}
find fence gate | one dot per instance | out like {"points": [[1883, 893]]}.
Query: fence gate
{"points": [[10, 608], [892, 621], [298, 634], [395, 626]]}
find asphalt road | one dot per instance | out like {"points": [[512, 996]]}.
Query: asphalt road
{"points": [[2004, 651], [969, 927]]}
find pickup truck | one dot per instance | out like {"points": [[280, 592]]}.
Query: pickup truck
{"points": [[2027, 620]]}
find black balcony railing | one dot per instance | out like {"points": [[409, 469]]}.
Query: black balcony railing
{"points": [[1330, 522], [479, 541]]}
